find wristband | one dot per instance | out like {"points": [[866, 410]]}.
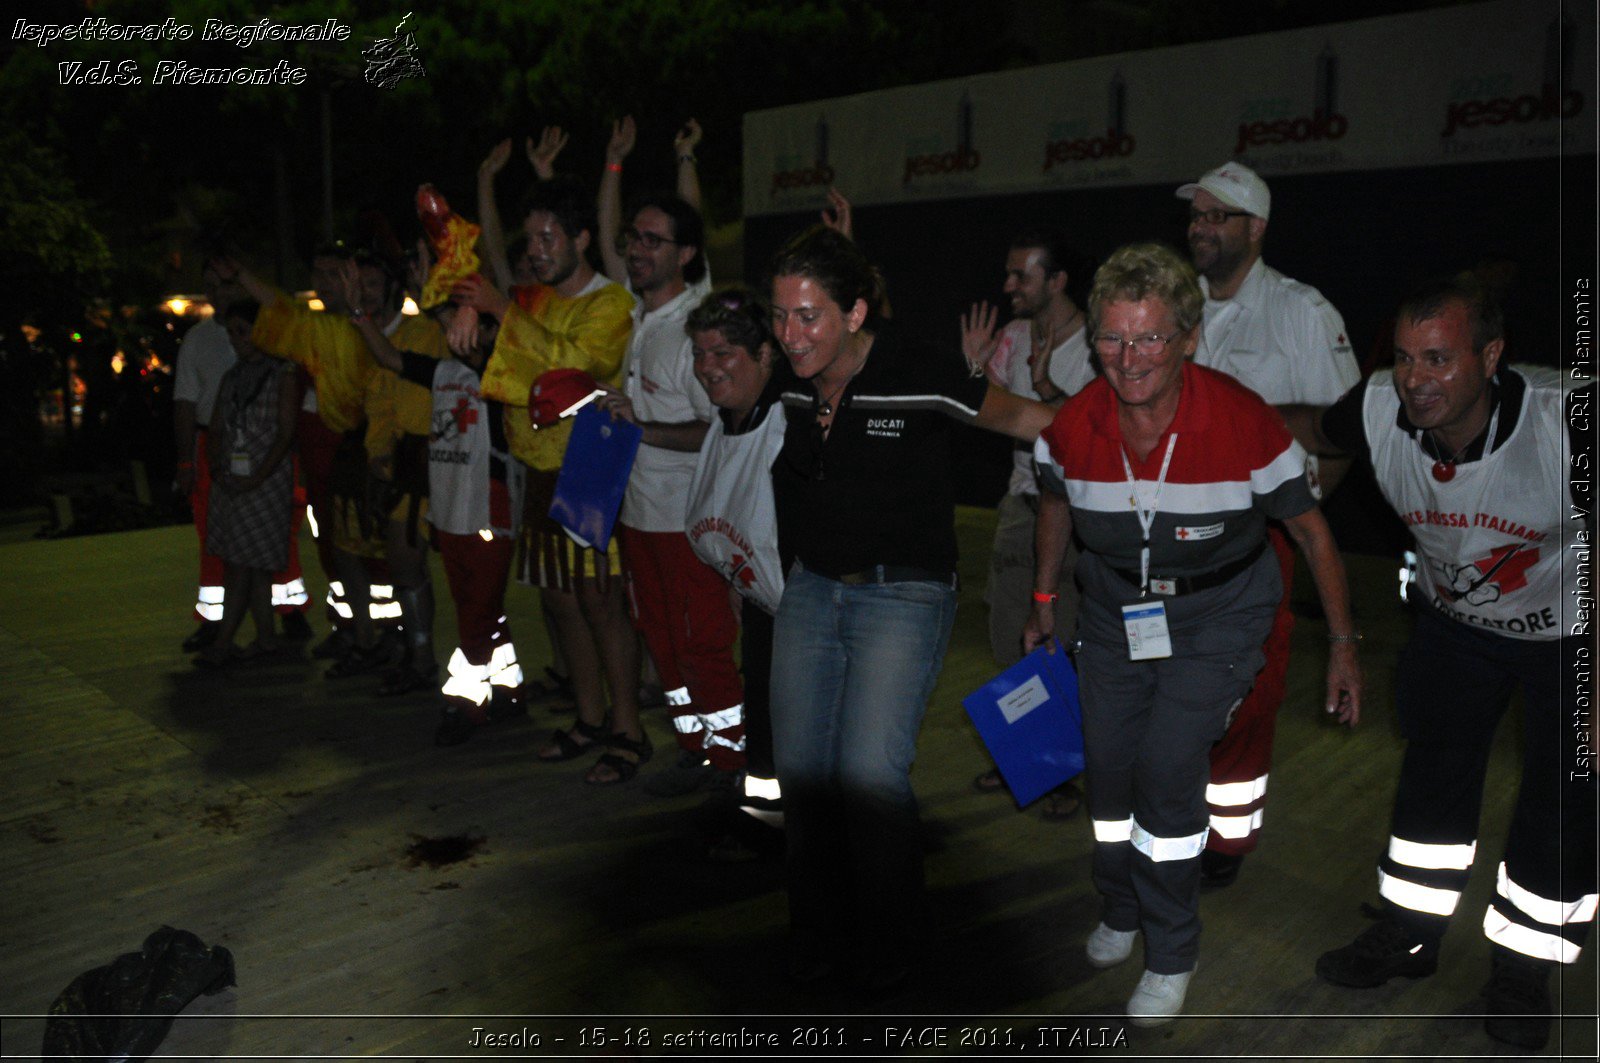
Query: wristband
{"points": [[690, 159], [1345, 638], [1042, 597], [614, 167], [185, 464], [357, 316]]}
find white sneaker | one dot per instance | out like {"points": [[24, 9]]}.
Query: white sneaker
{"points": [[1107, 947], [1158, 998]]}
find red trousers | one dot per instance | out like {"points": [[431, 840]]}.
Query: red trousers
{"points": [[288, 587], [484, 666], [1241, 760], [680, 604]]}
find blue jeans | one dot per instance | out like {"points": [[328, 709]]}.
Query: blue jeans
{"points": [[852, 668]]}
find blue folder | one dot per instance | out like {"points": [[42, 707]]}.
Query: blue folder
{"points": [[1029, 717], [594, 476]]}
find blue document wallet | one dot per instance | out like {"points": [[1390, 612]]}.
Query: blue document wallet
{"points": [[1029, 717], [594, 476]]}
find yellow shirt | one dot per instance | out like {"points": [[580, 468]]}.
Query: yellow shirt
{"points": [[542, 331], [397, 407], [329, 348]]}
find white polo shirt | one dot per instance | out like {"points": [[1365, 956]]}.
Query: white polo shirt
{"points": [[660, 382], [1279, 338]]}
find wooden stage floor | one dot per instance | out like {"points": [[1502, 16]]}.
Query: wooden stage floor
{"points": [[271, 811]]}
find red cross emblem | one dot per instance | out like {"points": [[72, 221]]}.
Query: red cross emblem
{"points": [[464, 414]]}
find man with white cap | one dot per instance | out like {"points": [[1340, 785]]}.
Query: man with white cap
{"points": [[1286, 342]]}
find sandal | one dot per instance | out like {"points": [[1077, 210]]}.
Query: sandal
{"points": [[623, 761], [569, 748], [991, 782], [1062, 803]]}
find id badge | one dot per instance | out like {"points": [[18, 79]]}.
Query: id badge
{"points": [[1146, 626], [239, 464]]}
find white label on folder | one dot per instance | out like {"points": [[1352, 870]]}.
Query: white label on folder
{"points": [[1023, 700], [1146, 626]]}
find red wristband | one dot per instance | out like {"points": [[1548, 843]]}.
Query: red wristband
{"points": [[614, 167], [1041, 596]]}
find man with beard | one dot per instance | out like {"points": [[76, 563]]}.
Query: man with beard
{"points": [[1283, 340], [680, 603], [572, 318], [1042, 354]]}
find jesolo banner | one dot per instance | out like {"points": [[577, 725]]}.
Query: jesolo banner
{"points": [[1512, 79]]}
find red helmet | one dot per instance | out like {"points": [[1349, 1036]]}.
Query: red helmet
{"points": [[556, 392]]}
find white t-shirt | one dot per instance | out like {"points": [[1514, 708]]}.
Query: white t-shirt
{"points": [[1071, 370], [660, 382], [205, 354], [1279, 338]]}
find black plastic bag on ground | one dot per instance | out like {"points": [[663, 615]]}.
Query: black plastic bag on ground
{"points": [[123, 1010]]}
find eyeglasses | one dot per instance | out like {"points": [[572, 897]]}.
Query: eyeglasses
{"points": [[1109, 344], [648, 241], [1216, 215]]}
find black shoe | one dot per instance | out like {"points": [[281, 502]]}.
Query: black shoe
{"points": [[203, 636], [296, 628], [506, 703], [1516, 1002], [1218, 870], [1384, 950], [334, 646], [690, 773]]}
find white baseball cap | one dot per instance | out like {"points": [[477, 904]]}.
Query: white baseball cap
{"points": [[1235, 184]]}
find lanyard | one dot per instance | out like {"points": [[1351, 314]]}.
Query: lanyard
{"points": [[1147, 517]]}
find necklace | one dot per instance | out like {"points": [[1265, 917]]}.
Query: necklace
{"points": [[825, 407], [1058, 336], [1444, 469]]}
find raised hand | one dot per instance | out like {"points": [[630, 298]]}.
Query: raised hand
{"points": [[417, 269], [496, 160], [836, 215], [350, 282], [687, 139], [623, 135], [978, 341], [543, 154]]}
